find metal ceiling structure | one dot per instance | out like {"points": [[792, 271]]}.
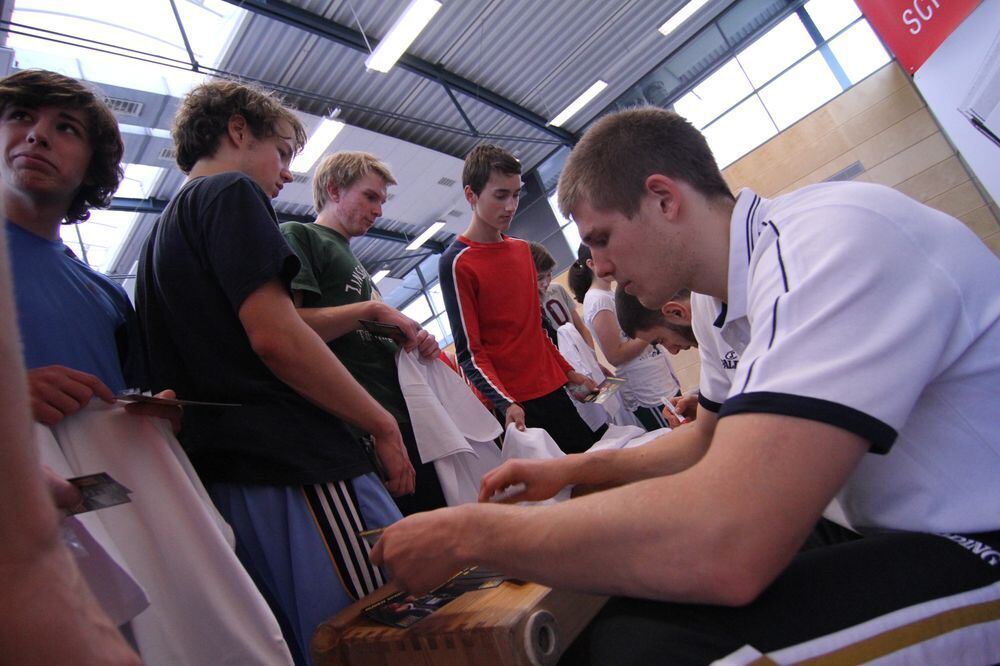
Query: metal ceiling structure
{"points": [[482, 70]]}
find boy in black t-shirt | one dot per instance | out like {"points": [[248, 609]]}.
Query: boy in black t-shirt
{"points": [[214, 302]]}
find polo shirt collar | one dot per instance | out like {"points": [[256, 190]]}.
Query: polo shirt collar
{"points": [[744, 228]]}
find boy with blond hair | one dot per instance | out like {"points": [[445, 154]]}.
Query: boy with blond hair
{"points": [[333, 292]]}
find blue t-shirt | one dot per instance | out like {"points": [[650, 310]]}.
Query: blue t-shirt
{"points": [[68, 314]]}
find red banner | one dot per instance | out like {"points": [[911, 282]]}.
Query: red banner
{"points": [[913, 29]]}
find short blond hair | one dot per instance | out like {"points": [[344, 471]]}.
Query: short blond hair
{"points": [[343, 169], [609, 166]]}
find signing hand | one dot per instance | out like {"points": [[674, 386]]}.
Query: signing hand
{"points": [[57, 392], [421, 552], [542, 479], [687, 405]]}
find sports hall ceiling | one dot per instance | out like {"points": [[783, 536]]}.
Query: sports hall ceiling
{"points": [[482, 70]]}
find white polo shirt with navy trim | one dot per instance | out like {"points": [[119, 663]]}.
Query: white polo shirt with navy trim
{"points": [[854, 305], [718, 359]]}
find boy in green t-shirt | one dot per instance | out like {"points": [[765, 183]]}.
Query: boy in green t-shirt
{"points": [[333, 292]]}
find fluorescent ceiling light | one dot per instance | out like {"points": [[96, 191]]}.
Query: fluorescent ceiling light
{"points": [[144, 131], [424, 237], [317, 144], [401, 34], [580, 102], [682, 14], [379, 275]]}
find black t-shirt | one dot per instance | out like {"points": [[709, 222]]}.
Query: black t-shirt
{"points": [[215, 244]]}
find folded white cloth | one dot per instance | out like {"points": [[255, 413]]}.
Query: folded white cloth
{"points": [[626, 437], [533, 443], [536, 443], [451, 427], [455, 431], [204, 608]]}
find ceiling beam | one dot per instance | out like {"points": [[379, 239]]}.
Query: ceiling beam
{"points": [[156, 206], [286, 13]]}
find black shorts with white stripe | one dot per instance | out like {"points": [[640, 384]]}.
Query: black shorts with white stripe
{"points": [[334, 507]]}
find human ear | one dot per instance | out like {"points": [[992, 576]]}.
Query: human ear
{"points": [[470, 196], [237, 129], [677, 313], [666, 193]]}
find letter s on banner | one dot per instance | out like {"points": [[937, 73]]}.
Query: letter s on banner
{"points": [[913, 29]]}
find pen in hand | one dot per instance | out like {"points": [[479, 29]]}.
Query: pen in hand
{"points": [[673, 410]]}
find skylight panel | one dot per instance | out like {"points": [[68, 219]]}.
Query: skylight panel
{"points": [[146, 30]]}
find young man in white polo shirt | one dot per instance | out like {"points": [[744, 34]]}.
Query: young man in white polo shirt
{"points": [[686, 320], [868, 328]]}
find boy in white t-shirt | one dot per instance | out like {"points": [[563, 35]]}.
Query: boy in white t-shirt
{"points": [[650, 379]]}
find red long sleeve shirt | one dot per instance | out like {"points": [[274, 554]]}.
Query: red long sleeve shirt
{"points": [[491, 294]]}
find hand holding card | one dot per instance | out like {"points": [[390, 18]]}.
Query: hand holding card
{"points": [[605, 390], [99, 492], [135, 395], [384, 330]]}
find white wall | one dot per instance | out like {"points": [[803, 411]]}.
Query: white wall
{"points": [[945, 80]]}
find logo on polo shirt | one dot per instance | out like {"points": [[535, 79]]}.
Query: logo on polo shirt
{"points": [[730, 360], [984, 551]]}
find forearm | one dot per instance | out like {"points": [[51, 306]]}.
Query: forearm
{"points": [[609, 337], [669, 454], [718, 532], [480, 372], [333, 322], [305, 363], [643, 540], [582, 329], [623, 352], [28, 518]]}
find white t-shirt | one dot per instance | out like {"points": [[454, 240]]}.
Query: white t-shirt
{"points": [[650, 377], [558, 306], [853, 305]]}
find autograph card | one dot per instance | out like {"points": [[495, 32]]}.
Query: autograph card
{"points": [[383, 330], [99, 492], [134, 395], [605, 390], [371, 537], [469, 580], [403, 610]]}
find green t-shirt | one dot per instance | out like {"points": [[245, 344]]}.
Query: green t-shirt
{"points": [[331, 275]]}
